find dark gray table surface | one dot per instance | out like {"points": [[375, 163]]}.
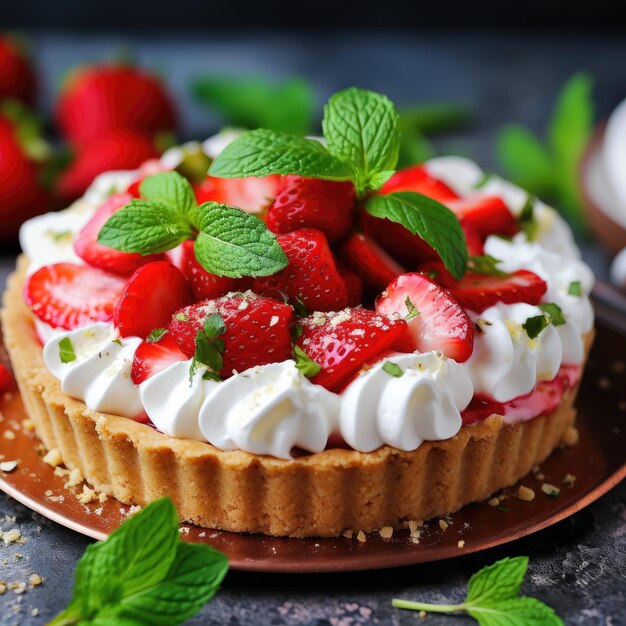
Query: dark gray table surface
{"points": [[577, 566]]}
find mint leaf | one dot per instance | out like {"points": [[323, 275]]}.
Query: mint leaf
{"points": [[575, 288], [234, 243], [431, 220], [66, 350], [144, 227], [305, 364], [207, 353], [534, 325], [155, 335], [169, 189], [262, 152], [214, 326], [501, 580], [435, 118], [362, 130], [526, 219], [515, 612], [393, 369], [525, 159], [411, 308], [484, 264], [554, 312]]}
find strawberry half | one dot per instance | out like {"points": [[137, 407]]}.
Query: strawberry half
{"points": [[365, 257], [253, 195], [341, 343], [472, 239], [89, 250], [203, 284], [68, 295], [311, 276], [417, 179], [152, 358], [150, 297], [312, 203], [488, 215], [478, 292], [438, 323], [258, 329], [354, 286]]}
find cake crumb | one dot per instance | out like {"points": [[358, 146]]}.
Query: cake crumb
{"points": [[35, 580], [53, 457], [34, 612], [571, 436], [88, 495], [12, 536], [202, 534], [8, 466], [386, 532], [540, 476], [461, 543], [443, 525], [422, 615], [28, 425], [75, 478], [3, 587], [9, 434], [550, 490], [493, 502], [525, 493], [569, 480], [348, 534], [361, 538]]}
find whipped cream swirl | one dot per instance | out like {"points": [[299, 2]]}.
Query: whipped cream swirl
{"points": [[424, 403]]}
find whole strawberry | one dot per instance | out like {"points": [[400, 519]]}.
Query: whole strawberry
{"points": [[99, 99], [17, 77]]}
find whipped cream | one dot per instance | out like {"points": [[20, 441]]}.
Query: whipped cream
{"points": [[424, 404], [100, 374], [506, 362]]}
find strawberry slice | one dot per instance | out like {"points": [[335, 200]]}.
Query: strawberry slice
{"points": [[311, 276], [417, 179], [7, 382], [436, 321], [354, 286], [203, 284], [89, 250], [312, 203], [472, 239], [257, 329], [68, 295], [341, 343], [150, 297], [365, 257], [253, 195], [488, 215], [478, 292], [152, 358]]}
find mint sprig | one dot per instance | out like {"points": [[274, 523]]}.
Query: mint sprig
{"points": [[209, 348], [493, 598], [66, 350], [229, 241], [143, 574]]}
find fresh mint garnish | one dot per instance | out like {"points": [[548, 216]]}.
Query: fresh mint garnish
{"points": [[393, 369], [305, 364], [493, 598], [209, 348], [575, 288], [155, 335], [66, 350], [526, 219], [485, 264], [411, 308], [554, 312], [143, 574], [534, 325], [181, 317], [229, 241]]}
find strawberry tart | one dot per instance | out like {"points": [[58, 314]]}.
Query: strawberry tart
{"points": [[303, 342]]}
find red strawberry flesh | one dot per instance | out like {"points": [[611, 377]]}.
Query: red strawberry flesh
{"points": [[203, 284], [153, 357], [253, 195]]}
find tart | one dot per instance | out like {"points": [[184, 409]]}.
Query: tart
{"points": [[360, 383]]}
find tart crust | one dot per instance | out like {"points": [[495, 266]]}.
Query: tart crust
{"points": [[321, 494]]}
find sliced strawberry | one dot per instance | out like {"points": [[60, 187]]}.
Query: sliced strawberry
{"points": [[341, 343], [480, 291], [151, 295], [365, 257], [258, 329], [312, 275], [438, 322], [472, 238], [480, 408], [488, 215], [7, 382], [253, 195], [312, 203], [152, 358], [354, 286], [89, 250], [417, 179], [203, 284], [68, 295]]}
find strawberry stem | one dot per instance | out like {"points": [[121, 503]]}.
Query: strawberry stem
{"points": [[422, 606]]}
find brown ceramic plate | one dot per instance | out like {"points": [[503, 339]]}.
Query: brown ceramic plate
{"points": [[597, 462]]}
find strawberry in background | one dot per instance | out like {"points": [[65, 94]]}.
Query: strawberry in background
{"points": [[17, 77]]}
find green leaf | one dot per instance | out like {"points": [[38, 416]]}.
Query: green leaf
{"points": [[207, 353], [262, 152], [393, 369], [501, 580], [214, 326], [435, 118], [362, 130], [534, 325], [307, 366], [411, 308], [234, 243], [414, 148], [575, 288], [522, 611], [144, 227], [554, 313], [526, 219], [66, 350], [155, 335], [258, 103], [431, 220], [191, 581], [485, 264], [525, 159], [169, 189]]}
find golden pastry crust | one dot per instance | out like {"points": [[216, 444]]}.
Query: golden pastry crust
{"points": [[321, 494]]}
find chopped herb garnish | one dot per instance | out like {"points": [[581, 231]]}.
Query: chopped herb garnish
{"points": [[214, 326], [412, 310], [526, 219], [296, 332], [209, 375], [305, 363], [393, 369], [484, 264], [502, 508], [66, 350], [575, 289], [209, 348], [554, 312], [118, 341], [155, 335], [534, 325], [299, 307], [483, 181], [181, 317]]}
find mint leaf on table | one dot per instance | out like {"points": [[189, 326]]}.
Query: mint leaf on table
{"points": [[493, 598], [143, 575], [258, 103], [435, 223], [169, 189]]}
